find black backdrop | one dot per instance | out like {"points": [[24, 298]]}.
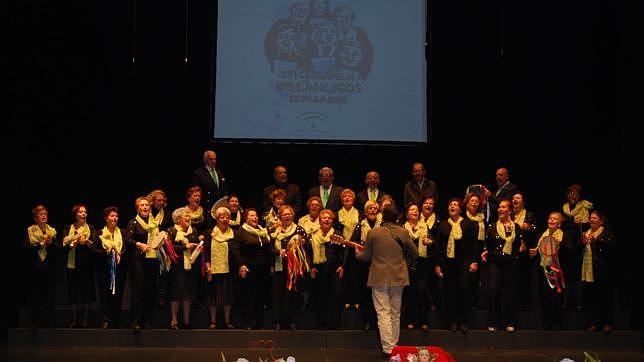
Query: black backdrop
{"points": [[104, 108]]}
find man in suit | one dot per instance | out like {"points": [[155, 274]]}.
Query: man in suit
{"points": [[293, 196], [505, 190], [211, 181], [330, 194], [372, 192], [420, 187], [388, 274]]}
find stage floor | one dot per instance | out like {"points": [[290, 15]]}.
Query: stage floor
{"points": [[177, 354]]}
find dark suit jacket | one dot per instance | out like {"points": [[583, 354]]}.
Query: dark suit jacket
{"points": [[362, 197], [466, 250], [506, 193], [210, 193], [335, 200], [293, 196], [413, 193]]}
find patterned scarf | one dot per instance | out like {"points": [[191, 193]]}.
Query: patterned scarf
{"points": [[548, 246], [279, 235]]}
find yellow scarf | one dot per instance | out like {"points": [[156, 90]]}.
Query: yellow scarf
{"points": [[71, 239], [259, 231], [500, 229], [587, 266], [196, 216], [418, 232], [365, 228], [237, 220], [479, 220], [520, 217], [455, 234], [308, 225], [581, 211], [159, 218], [152, 228], [182, 236], [317, 244], [112, 241], [349, 219], [219, 250], [430, 220], [37, 237], [279, 235]]}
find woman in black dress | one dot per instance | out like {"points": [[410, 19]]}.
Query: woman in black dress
{"points": [[41, 248], [219, 263], [144, 265], [111, 268], [252, 251], [457, 256], [597, 272], [503, 242], [181, 279], [79, 242], [528, 223], [289, 241]]}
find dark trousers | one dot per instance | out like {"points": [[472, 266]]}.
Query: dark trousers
{"points": [[43, 290], [456, 283], [502, 284], [254, 291], [551, 304], [285, 302], [356, 290], [527, 267], [417, 296], [143, 280], [327, 295], [110, 303], [597, 300]]}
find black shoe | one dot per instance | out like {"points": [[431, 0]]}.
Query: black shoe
{"points": [[424, 327], [367, 327], [35, 326], [136, 326], [293, 327], [276, 327], [73, 325], [463, 328], [453, 327], [385, 356], [105, 325]]}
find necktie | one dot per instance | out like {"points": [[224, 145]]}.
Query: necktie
{"points": [[213, 174], [372, 195], [325, 196]]}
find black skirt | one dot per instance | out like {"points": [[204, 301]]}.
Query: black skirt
{"points": [[182, 284], [80, 285], [221, 289]]}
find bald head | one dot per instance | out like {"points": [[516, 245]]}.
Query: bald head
{"points": [[280, 175], [502, 176]]}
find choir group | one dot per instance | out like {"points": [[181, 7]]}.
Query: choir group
{"points": [[214, 253]]}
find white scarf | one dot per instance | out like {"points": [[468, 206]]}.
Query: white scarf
{"points": [[500, 229], [587, 265], [455, 234], [479, 220], [182, 236], [581, 211], [349, 219], [37, 238], [317, 244], [112, 241], [418, 232], [152, 228], [219, 250], [71, 239], [279, 235]]}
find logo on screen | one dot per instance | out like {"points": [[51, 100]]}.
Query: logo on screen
{"points": [[318, 54]]}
